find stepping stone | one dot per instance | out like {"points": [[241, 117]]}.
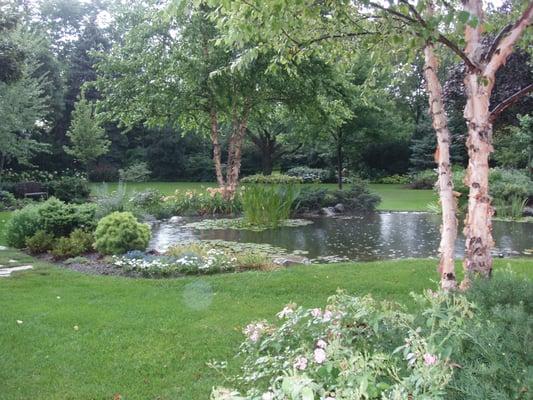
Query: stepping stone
{"points": [[2, 248], [6, 272]]}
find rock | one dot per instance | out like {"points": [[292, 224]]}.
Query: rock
{"points": [[339, 208], [175, 219], [328, 211], [528, 212], [3, 248], [6, 272], [290, 260]]}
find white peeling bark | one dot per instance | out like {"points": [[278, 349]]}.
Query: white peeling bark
{"points": [[445, 183], [478, 85]]}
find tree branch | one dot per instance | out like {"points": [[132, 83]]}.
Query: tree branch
{"points": [[497, 41], [509, 101]]}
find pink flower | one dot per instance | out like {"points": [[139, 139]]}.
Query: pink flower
{"points": [[327, 316], [321, 344], [316, 312], [254, 331], [319, 355], [430, 359], [300, 363]]}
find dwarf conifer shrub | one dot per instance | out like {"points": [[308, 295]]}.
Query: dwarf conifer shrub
{"points": [[120, 232]]}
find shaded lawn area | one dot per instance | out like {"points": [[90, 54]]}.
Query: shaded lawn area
{"points": [[151, 339], [393, 197]]}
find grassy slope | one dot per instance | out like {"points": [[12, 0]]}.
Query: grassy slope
{"points": [[151, 339], [394, 197]]}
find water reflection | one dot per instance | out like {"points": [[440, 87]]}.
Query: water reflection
{"points": [[369, 237]]}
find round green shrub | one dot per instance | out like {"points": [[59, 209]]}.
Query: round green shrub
{"points": [[120, 232], [23, 224]]}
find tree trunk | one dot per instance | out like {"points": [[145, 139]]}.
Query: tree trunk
{"points": [[339, 161], [217, 154], [234, 167], [478, 224], [445, 183]]}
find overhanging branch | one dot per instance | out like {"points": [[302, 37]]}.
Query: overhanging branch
{"points": [[509, 101]]}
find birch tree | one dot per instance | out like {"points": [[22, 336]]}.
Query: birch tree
{"points": [[335, 30]]}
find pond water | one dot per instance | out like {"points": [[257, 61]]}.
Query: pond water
{"points": [[377, 236]]}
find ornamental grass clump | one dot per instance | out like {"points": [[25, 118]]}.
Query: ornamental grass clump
{"points": [[120, 232], [268, 205]]}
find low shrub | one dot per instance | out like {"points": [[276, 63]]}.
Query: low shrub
{"points": [[424, 180], [104, 173], [120, 232], [7, 201], [71, 189], [151, 202], [24, 223], [356, 198], [310, 175], [52, 216], [138, 172], [109, 202], [268, 205], [40, 242], [77, 243], [394, 180], [354, 348], [275, 179]]}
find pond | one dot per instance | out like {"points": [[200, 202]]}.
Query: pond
{"points": [[377, 236]]}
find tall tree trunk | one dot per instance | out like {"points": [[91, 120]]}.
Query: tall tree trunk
{"points": [[479, 83], [339, 160], [217, 154], [234, 167], [445, 183]]}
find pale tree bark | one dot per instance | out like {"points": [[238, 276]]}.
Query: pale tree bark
{"points": [[479, 82], [235, 150], [217, 154], [445, 183]]}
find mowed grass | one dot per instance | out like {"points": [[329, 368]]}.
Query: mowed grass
{"points": [[151, 339], [393, 197]]}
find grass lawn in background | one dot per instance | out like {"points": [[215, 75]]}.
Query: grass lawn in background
{"points": [[151, 339], [393, 197]]}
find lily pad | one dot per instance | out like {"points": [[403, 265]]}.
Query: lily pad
{"points": [[240, 223]]}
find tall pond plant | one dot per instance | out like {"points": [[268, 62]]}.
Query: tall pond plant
{"points": [[268, 205]]}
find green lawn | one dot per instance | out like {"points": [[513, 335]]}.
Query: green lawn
{"points": [[151, 339], [394, 197]]}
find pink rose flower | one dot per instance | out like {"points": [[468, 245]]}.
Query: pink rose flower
{"points": [[319, 355], [327, 316], [316, 312], [300, 363], [430, 359], [321, 344]]}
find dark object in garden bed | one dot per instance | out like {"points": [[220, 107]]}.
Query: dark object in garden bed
{"points": [[33, 190]]}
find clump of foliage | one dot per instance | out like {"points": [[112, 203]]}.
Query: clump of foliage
{"points": [[138, 172], [7, 200], [120, 232], [425, 179], [40, 242], [109, 202], [356, 198], [496, 357], [151, 202], [268, 205], [275, 179], [72, 189], [52, 216], [311, 175], [353, 348], [513, 147], [394, 180], [77, 243], [23, 224], [208, 202]]}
